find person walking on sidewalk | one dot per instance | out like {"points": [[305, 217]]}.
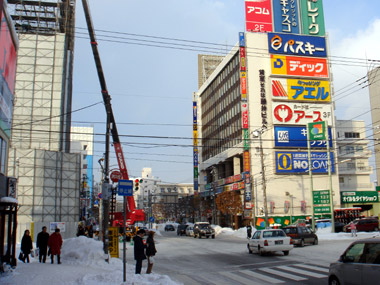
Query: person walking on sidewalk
{"points": [[26, 245], [55, 244], [150, 251], [139, 249], [353, 229], [42, 244]]}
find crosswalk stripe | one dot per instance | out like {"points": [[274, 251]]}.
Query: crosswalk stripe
{"points": [[239, 278], [283, 274], [186, 279], [326, 270], [303, 272], [262, 277]]}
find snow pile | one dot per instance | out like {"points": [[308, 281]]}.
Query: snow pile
{"points": [[82, 250], [326, 234], [241, 233]]}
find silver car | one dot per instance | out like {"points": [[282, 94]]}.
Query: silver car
{"points": [[189, 231], [359, 264]]}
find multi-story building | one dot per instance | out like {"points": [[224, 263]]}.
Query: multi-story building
{"points": [[356, 188], [48, 174], [253, 113]]}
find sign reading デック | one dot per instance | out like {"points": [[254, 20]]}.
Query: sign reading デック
{"points": [[299, 66]]}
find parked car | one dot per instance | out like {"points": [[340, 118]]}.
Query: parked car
{"points": [[169, 228], [270, 240], [364, 225], [181, 230], [189, 231], [359, 264], [203, 229], [301, 235]]}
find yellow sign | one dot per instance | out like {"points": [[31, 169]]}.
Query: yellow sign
{"points": [[113, 247], [284, 161], [195, 138]]}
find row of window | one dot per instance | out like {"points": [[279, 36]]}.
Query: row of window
{"points": [[176, 190]]}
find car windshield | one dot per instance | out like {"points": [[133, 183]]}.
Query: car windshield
{"points": [[269, 234], [290, 230], [204, 226]]}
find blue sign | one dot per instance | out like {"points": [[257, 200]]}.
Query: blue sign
{"points": [[151, 219], [241, 39], [296, 136], [125, 188], [286, 16], [298, 162], [291, 44], [248, 195]]}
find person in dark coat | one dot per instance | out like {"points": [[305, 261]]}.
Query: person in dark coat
{"points": [[139, 249], [249, 231], [26, 245], [150, 251], [55, 244], [42, 244], [81, 231], [90, 231]]}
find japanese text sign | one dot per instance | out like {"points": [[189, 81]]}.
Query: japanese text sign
{"points": [[312, 17], [359, 196], [244, 111], [291, 44], [317, 131], [296, 136], [300, 113], [321, 197], [258, 16], [242, 59], [298, 162], [286, 16], [125, 188], [301, 90], [299, 66], [247, 164]]}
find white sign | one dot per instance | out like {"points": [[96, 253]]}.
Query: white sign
{"points": [[59, 225], [300, 113]]}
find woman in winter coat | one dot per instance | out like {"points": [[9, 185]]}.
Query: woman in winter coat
{"points": [[55, 244], [26, 245], [150, 251]]}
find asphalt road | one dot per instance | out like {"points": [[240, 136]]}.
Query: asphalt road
{"points": [[225, 260]]}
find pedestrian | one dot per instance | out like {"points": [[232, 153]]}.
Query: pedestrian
{"points": [[55, 244], [42, 244], [150, 251], [90, 231], [139, 249], [249, 230], [353, 229], [26, 245], [81, 231]]}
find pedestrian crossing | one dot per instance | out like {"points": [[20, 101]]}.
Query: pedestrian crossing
{"points": [[281, 274]]}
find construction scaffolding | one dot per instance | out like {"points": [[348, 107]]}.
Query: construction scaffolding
{"points": [[39, 156]]}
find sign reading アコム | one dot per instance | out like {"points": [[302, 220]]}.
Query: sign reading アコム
{"points": [[300, 90]]}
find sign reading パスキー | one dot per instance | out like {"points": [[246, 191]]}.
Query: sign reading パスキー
{"points": [[301, 90], [300, 113], [291, 44], [298, 162], [299, 66]]}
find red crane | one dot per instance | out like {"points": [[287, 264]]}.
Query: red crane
{"points": [[133, 214]]}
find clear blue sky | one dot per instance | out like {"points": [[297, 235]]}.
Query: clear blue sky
{"points": [[151, 87]]}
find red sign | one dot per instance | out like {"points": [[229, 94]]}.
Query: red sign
{"points": [[115, 176], [242, 59], [258, 16], [248, 205], [244, 110], [243, 84]]}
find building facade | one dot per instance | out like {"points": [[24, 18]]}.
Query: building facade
{"points": [[253, 112]]}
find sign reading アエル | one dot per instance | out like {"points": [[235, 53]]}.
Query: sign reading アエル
{"points": [[298, 162], [296, 136], [300, 113], [359, 196], [286, 16], [312, 18], [296, 45], [301, 90], [258, 15], [299, 66]]}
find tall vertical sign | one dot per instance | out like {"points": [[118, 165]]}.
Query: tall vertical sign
{"points": [[286, 16], [312, 17], [195, 146]]}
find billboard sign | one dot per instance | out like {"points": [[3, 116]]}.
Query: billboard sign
{"points": [[242, 59], [294, 136], [291, 44], [312, 17], [244, 111], [286, 16], [243, 85], [298, 162], [361, 197], [300, 113], [299, 66], [258, 16], [247, 164], [301, 90], [317, 131]]}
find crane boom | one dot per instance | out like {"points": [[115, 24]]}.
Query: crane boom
{"points": [[133, 214]]}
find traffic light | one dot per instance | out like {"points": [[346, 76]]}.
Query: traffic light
{"points": [[137, 184]]}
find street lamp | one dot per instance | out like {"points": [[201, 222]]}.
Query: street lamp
{"points": [[258, 134], [291, 206]]}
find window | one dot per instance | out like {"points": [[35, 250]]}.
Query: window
{"points": [[84, 147], [162, 190], [372, 253], [169, 190], [355, 252], [3, 155], [84, 156], [341, 179], [351, 135]]}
